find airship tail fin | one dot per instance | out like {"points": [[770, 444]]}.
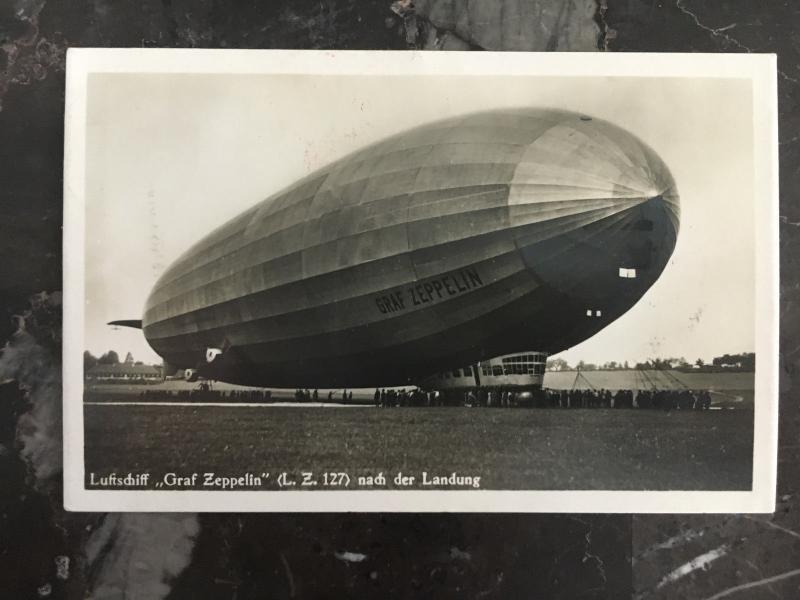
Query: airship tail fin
{"points": [[132, 323]]}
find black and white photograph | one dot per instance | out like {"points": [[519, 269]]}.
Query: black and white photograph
{"points": [[337, 281]]}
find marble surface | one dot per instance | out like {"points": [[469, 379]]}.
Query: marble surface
{"points": [[717, 556], [45, 552]]}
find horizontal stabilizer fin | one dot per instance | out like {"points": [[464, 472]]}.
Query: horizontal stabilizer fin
{"points": [[133, 323]]}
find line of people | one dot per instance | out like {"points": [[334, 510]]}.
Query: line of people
{"points": [[306, 395], [548, 398], [592, 398], [481, 396], [674, 399], [386, 398], [205, 394]]}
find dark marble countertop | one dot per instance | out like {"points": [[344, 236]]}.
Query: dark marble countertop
{"points": [[45, 552]]}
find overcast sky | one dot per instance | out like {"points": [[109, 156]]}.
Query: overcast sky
{"points": [[170, 157]]}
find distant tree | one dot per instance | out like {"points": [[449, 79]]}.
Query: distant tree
{"points": [[653, 364], [89, 360], [557, 364], [725, 359], [663, 363], [109, 358], [138, 363], [129, 359], [657, 363], [745, 361], [610, 365], [590, 367], [700, 362], [627, 366], [674, 362]]}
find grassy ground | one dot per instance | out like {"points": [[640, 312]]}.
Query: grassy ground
{"points": [[507, 448], [739, 384]]}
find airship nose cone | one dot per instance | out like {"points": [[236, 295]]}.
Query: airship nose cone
{"points": [[612, 217]]}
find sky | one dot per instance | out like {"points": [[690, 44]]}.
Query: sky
{"points": [[171, 157]]}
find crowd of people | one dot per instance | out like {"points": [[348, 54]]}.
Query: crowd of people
{"points": [[204, 393], [306, 395], [416, 397], [673, 399], [548, 398], [683, 399]]}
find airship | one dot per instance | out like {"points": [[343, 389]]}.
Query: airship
{"points": [[513, 232]]}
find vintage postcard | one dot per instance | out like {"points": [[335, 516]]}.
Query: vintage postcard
{"points": [[378, 281]]}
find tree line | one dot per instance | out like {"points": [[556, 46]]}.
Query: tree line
{"points": [[745, 361], [107, 358]]}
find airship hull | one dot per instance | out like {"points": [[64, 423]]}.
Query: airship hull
{"points": [[454, 242]]}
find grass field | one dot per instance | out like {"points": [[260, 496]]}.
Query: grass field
{"points": [[632, 379], [508, 448]]}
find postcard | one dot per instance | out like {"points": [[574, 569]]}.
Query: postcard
{"points": [[408, 281]]}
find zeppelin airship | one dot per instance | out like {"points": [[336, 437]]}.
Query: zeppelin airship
{"points": [[449, 244]]}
